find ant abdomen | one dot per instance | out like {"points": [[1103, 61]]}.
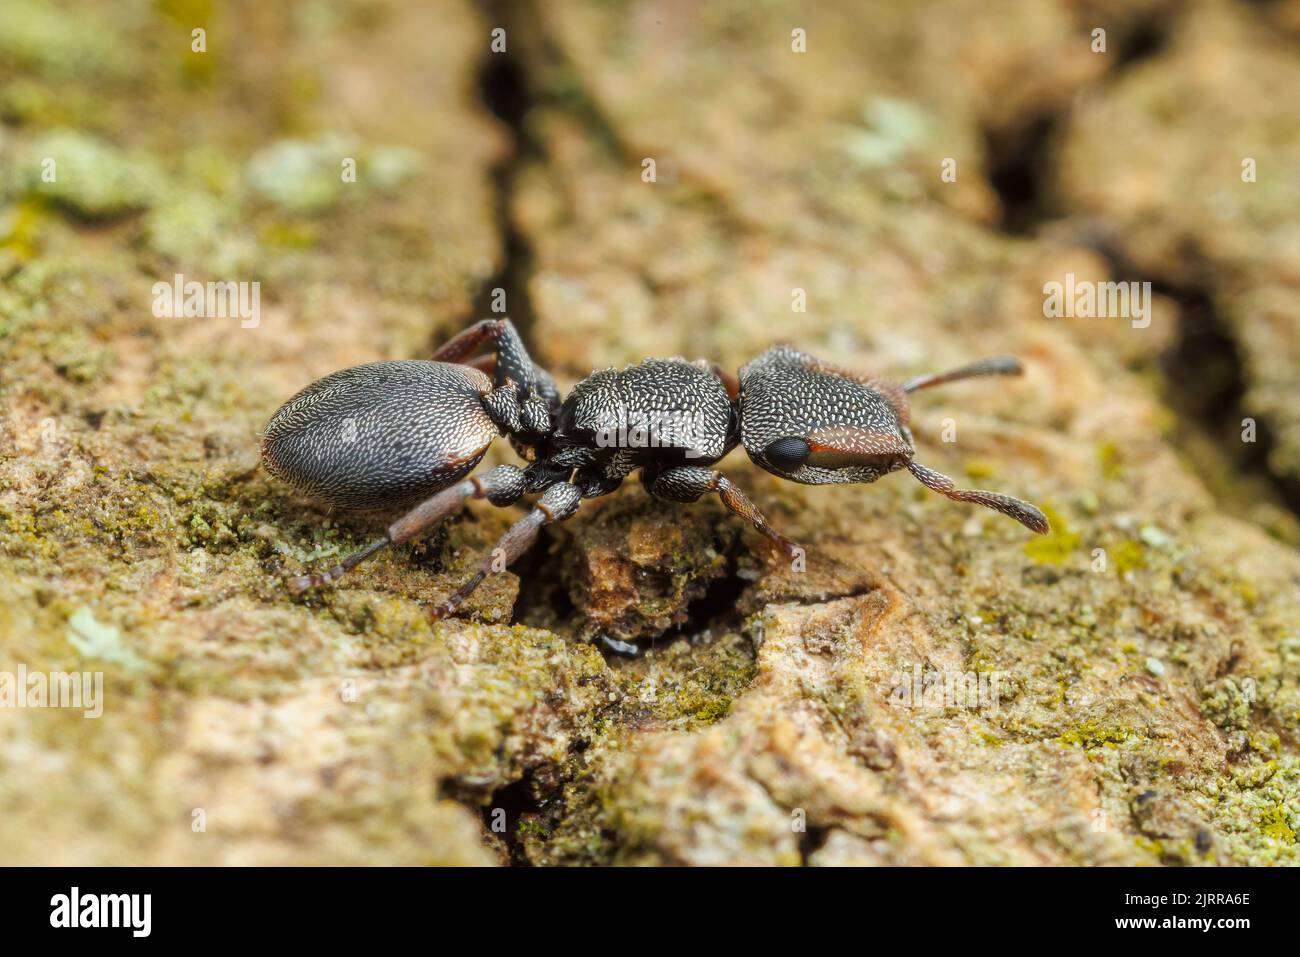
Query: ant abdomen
{"points": [[381, 434]]}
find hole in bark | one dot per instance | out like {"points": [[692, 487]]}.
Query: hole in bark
{"points": [[515, 799], [717, 607], [1019, 164], [543, 600], [1147, 39], [811, 841]]}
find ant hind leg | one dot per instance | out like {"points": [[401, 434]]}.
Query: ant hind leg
{"points": [[501, 486]]}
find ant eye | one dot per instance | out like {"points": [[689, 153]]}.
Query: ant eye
{"points": [[788, 454]]}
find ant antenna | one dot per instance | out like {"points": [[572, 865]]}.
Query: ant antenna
{"points": [[995, 365], [1024, 513]]}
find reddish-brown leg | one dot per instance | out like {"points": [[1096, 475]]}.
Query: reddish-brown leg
{"points": [[502, 485], [686, 483]]}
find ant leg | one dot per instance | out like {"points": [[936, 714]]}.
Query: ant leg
{"points": [[686, 483], [467, 342], [557, 503], [302, 582], [486, 363], [501, 486], [729, 381], [1024, 513], [511, 364]]}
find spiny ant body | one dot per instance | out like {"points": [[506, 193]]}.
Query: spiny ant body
{"points": [[396, 433]]}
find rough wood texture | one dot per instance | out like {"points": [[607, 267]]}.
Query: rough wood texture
{"points": [[1137, 704]]}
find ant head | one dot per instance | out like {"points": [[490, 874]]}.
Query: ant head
{"points": [[807, 421]]}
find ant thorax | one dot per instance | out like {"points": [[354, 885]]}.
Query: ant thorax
{"points": [[640, 412]]}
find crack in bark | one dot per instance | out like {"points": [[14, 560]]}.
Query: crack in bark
{"points": [[504, 90], [1206, 386], [1020, 168]]}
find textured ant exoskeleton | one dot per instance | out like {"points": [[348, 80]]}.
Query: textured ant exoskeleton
{"points": [[392, 433]]}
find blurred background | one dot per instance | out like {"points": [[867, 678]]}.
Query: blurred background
{"points": [[893, 187]]}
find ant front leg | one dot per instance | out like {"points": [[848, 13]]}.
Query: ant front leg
{"points": [[686, 483], [557, 503], [502, 486]]}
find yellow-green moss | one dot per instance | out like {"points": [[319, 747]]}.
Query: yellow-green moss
{"points": [[1275, 823], [1127, 555], [1110, 459], [1091, 734], [1056, 547]]}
